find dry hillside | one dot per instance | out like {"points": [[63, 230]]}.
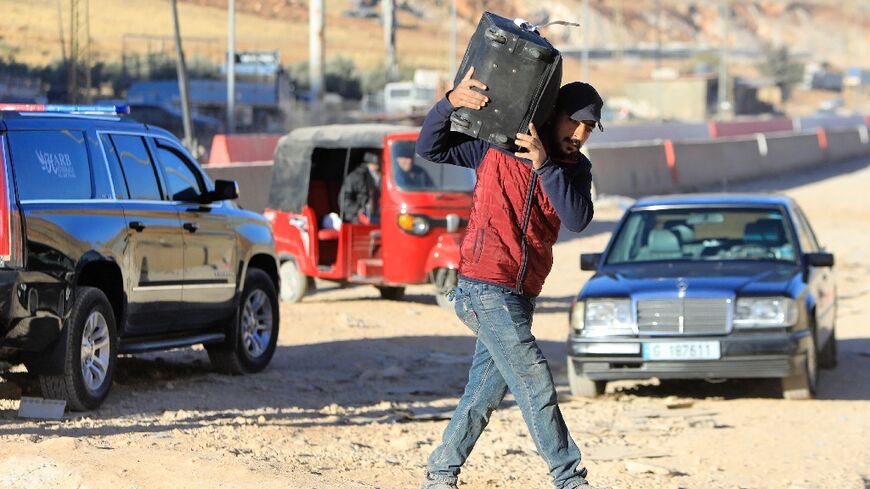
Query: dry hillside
{"points": [[824, 29]]}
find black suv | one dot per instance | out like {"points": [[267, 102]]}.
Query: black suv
{"points": [[113, 240]]}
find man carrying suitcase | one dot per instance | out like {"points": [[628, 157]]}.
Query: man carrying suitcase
{"points": [[519, 202]]}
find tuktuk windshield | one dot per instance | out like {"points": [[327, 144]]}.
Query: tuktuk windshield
{"points": [[703, 234], [413, 173]]}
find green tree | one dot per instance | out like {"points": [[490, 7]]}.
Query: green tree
{"points": [[780, 65]]}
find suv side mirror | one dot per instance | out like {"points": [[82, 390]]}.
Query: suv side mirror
{"points": [[589, 261], [223, 190], [820, 259]]}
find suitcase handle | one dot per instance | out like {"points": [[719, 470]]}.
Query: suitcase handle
{"points": [[495, 36], [460, 121]]}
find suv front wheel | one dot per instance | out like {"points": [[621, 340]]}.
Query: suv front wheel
{"points": [[89, 356], [250, 346]]}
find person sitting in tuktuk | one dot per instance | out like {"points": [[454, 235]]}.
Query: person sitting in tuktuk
{"points": [[361, 191]]}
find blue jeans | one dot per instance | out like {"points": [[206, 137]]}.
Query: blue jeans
{"points": [[506, 356]]}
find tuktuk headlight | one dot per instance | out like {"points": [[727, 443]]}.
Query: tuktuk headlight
{"points": [[416, 225], [577, 320], [608, 317], [765, 312]]}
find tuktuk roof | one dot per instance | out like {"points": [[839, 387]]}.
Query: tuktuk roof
{"points": [[292, 160], [343, 135]]}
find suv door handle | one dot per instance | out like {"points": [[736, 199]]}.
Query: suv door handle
{"points": [[191, 226], [137, 225]]}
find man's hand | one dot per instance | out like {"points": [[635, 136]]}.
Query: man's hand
{"points": [[462, 95], [534, 148]]}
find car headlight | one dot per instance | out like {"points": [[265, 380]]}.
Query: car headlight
{"points": [[765, 312], [417, 225], [608, 317]]}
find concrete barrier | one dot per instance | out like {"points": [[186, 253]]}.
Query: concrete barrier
{"points": [[720, 162], [681, 131], [826, 122], [229, 149], [719, 129], [631, 170], [847, 143], [254, 179], [792, 151]]}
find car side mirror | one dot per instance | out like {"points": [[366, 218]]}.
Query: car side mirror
{"points": [[820, 259], [223, 190], [589, 261]]}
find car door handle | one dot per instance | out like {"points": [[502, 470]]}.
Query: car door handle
{"points": [[191, 226], [137, 225]]}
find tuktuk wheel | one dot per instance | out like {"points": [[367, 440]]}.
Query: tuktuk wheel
{"points": [[294, 283], [445, 281], [391, 293]]}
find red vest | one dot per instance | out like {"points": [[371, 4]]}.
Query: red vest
{"points": [[512, 228]]}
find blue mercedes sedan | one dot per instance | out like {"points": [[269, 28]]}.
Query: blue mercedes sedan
{"points": [[706, 287]]}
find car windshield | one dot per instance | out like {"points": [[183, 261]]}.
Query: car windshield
{"points": [[412, 172], [696, 234]]}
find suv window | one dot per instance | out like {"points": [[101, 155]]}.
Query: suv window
{"points": [[182, 180], [118, 180], [51, 165], [138, 169]]}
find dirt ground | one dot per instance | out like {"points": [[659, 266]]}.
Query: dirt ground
{"points": [[360, 390]]}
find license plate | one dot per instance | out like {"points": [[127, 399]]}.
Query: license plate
{"points": [[683, 350]]}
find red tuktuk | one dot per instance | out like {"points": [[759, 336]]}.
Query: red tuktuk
{"points": [[421, 224]]}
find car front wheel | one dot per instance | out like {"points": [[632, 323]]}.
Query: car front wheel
{"points": [[251, 344], [582, 386], [90, 353], [802, 383]]}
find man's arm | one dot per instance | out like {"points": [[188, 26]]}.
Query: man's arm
{"points": [[569, 188], [437, 144]]}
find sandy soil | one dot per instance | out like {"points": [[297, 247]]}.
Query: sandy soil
{"points": [[360, 390]]}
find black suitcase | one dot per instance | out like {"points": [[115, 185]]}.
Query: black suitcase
{"points": [[523, 73]]}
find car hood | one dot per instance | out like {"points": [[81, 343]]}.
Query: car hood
{"points": [[694, 279]]}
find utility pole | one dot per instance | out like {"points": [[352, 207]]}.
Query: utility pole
{"points": [[388, 11], [586, 24], [657, 74], [60, 28], [620, 48], [79, 51], [181, 68], [231, 67], [725, 12], [452, 65], [315, 51]]}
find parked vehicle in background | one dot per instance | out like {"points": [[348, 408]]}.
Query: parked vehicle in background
{"points": [[709, 287], [421, 220], [113, 240]]}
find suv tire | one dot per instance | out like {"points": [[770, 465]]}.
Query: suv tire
{"points": [[582, 386], [90, 353], [251, 343]]}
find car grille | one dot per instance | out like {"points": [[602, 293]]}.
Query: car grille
{"points": [[699, 316]]}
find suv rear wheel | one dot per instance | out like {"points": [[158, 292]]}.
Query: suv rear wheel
{"points": [[251, 344], [90, 354]]}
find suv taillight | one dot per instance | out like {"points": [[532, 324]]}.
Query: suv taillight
{"points": [[10, 225]]}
